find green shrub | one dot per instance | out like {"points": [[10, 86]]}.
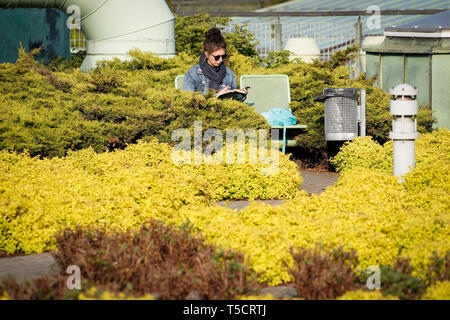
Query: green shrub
{"points": [[276, 59], [67, 65], [190, 31], [362, 152], [51, 111]]}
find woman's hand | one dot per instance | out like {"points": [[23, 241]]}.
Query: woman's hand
{"points": [[224, 90]]}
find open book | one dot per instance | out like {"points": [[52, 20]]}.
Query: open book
{"points": [[236, 94]]}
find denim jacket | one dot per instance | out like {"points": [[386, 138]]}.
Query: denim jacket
{"points": [[195, 80]]}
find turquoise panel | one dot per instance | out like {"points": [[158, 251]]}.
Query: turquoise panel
{"points": [[267, 91], [418, 75], [34, 27], [373, 67], [392, 71], [441, 89], [179, 82]]}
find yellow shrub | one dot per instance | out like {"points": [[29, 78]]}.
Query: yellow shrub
{"points": [[362, 152], [367, 210], [354, 214], [259, 297], [365, 295], [4, 296], [117, 190], [367, 153], [95, 294], [438, 291]]}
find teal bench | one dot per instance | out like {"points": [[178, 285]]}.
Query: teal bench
{"points": [[267, 92]]}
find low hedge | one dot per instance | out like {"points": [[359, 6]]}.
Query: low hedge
{"points": [[50, 111]]}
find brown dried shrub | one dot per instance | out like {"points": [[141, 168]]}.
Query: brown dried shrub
{"points": [[168, 263], [3, 254], [403, 265], [323, 275], [439, 268], [54, 80], [45, 288], [115, 143]]}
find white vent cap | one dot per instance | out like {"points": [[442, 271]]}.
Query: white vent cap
{"points": [[403, 89]]}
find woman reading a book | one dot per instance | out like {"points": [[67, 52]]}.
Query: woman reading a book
{"points": [[211, 71]]}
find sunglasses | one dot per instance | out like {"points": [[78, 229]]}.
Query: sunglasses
{"points": [[219, 56]]}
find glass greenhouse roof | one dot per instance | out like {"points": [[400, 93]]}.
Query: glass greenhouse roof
{"points": [[439, 21], [327, 29]]}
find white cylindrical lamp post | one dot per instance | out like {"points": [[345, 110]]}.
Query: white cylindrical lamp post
{"points": [[404, 110]]}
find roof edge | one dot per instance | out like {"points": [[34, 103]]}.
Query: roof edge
{"points": [[413, 33]]}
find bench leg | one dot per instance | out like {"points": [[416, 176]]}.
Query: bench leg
{"points": [[284, 140]]}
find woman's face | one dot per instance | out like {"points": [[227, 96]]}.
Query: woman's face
{"points": [[210, 57]]}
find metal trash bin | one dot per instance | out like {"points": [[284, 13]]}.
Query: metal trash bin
{"points": [[341, 113]]}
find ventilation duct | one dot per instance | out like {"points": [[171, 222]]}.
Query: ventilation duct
{"points": [[113, 27]]}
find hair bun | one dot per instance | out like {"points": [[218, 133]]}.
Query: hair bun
{"points": [[214, 40], [213, 34]]}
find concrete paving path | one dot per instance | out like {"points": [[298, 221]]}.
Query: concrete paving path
{"points": [[29, 267], [317, 182], [34, 266], [313, 183]]}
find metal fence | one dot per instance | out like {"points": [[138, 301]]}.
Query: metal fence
{"points": [[77, 41], [329, 37]]}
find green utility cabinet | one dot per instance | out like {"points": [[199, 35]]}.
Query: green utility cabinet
{"points": [[417, 54]]}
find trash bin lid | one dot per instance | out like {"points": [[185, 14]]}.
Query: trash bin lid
{"points": [[350, 93]]}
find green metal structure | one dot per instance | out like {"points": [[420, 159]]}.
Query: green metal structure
{"points": [[33, 28], [418, 54]]}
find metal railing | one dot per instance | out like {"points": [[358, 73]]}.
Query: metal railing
{"points": [[190, 6], [346, 13], [328, 36]]}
